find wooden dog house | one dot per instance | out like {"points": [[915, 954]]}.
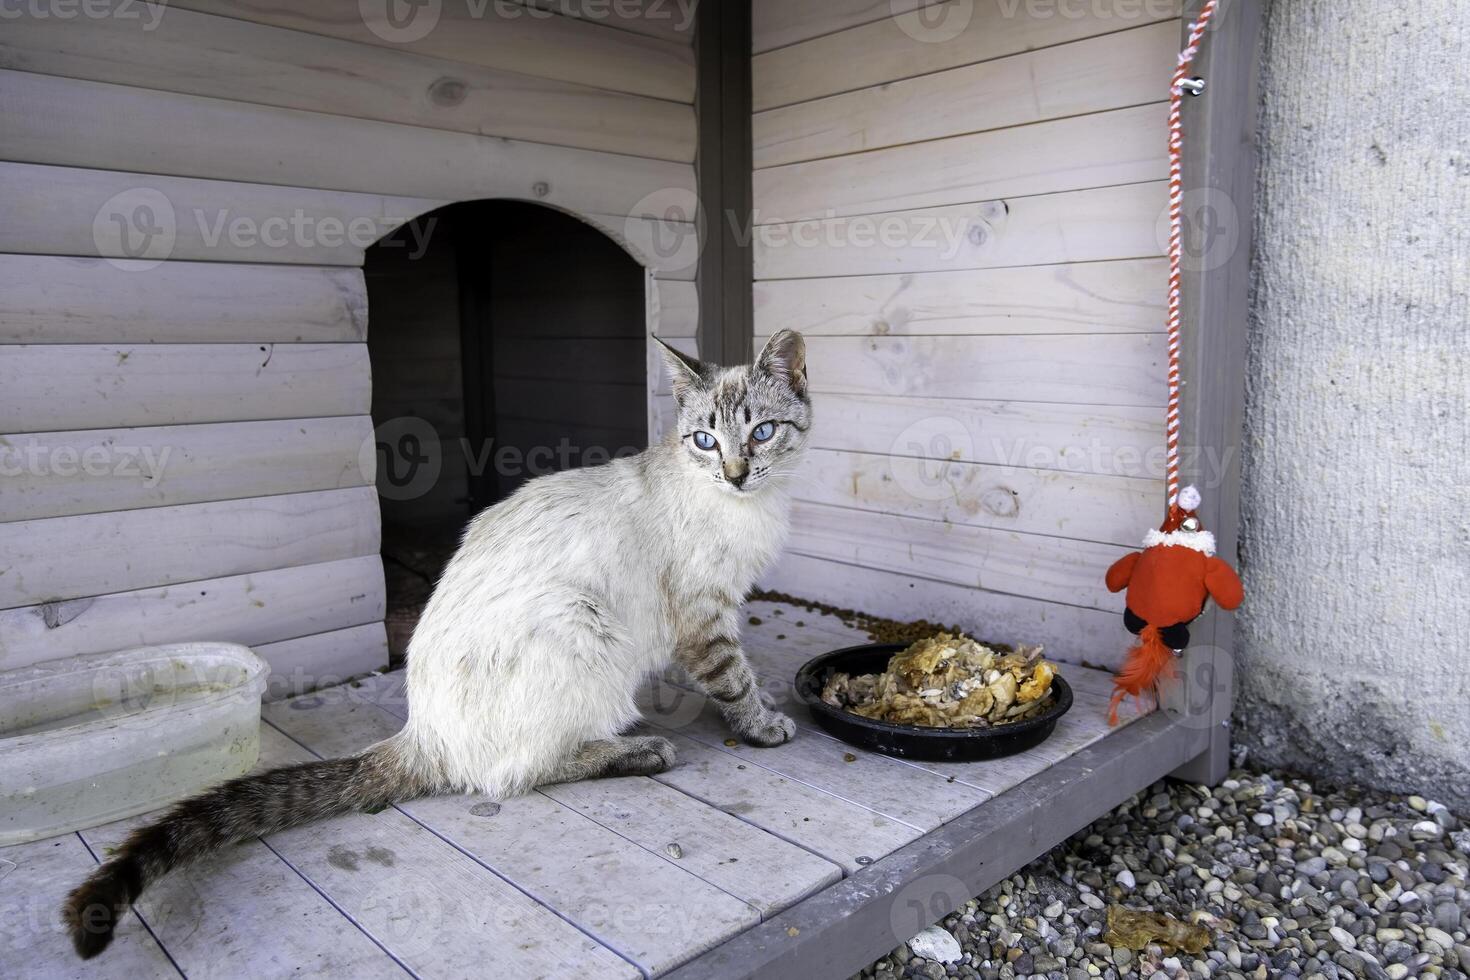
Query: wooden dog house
{"points": [[960, 204]]}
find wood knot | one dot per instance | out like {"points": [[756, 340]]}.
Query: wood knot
{"points": [[448, 91], [1001, 501], [57, 613]]}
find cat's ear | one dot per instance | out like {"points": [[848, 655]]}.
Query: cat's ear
{"points": [[686, 373], [784, 357]]}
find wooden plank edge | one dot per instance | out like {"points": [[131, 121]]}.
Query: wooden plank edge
{"points": [[766, 38], [842, 928], [648, 19], [765, 101]]}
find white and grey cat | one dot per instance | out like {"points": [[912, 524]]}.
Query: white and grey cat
{"points": [[559, 602]]}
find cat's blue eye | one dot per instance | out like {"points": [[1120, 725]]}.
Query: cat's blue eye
{"points": [[704, 441], [763, 432]]}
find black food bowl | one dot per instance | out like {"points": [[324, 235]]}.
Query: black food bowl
{"points": [[915, 741]]}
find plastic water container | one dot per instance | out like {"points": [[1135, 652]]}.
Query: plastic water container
{"points": [[89, 740]]}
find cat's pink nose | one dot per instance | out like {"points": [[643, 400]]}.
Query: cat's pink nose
{"points": [[736, 470]]}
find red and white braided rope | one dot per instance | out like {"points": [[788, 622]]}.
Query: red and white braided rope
{"points": [[1176, 235]]}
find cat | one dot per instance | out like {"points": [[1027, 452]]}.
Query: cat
{"points": [[559, 602]]}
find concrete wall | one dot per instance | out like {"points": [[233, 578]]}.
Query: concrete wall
{"points": [[1355, 638]]}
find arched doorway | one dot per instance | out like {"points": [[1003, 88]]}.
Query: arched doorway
{"points": [[507, 340]]}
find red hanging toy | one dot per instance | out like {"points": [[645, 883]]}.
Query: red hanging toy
{"points": [[1169, 581]]}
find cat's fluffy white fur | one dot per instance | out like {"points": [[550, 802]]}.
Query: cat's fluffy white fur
{"points": [[549, 616], [562, 599], [524, 667]]}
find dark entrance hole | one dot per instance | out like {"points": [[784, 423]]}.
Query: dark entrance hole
{"points": [[507, 340]]}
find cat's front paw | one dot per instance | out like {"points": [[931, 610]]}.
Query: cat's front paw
{"points": [[774, 729]]}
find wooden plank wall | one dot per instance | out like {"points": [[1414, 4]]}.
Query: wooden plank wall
{"points": [[185, 439], [961, 207]]}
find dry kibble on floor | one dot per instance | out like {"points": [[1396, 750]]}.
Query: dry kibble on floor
{"points": [[732, 742], [878, 628]]}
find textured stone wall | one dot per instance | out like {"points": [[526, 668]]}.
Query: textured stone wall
{"points": [[1355, 639]]}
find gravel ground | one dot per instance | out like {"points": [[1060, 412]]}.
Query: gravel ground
{"points": [[1290, 880]]}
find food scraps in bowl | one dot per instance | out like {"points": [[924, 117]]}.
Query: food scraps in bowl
{"points": [[948, 681]]}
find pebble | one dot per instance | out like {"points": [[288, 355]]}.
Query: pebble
{"points": [[1292, 882], [1312, 866], [935, 943], [1396, 951], [1426, 830], [1447, 916], [1445, 940]]}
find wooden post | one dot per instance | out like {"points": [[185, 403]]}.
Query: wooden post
{"points": [[1219, 181], [722, 104]]}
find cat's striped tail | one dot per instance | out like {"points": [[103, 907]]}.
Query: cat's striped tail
{"points": [[238, 810]]}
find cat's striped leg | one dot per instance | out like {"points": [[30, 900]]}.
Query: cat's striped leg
{"points": [[721, 669], [626, 755]]}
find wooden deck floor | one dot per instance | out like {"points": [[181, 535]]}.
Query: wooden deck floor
{"points": [[577, 880]]}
